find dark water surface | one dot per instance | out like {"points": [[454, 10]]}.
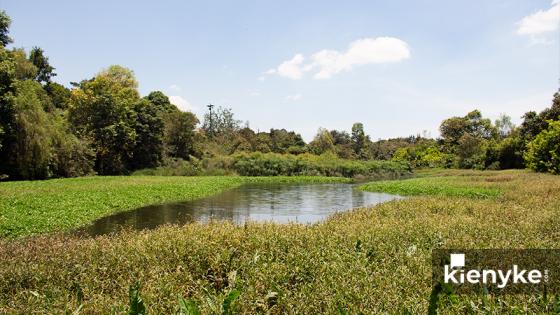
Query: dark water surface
{"points": [[280, 203]]}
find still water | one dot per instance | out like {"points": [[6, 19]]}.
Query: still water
{"points": [[280, 203]]}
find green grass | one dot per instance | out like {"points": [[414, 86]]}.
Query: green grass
{"points": [[369, 261], [33, 207], [449, 186]]}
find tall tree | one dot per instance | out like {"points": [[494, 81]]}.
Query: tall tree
{"points": [[44, 70], [180, 134], [359, 140], [220, 122], [5, 22], [453, 129], [33, 149], [322, 143], [504, 125], [161, 102], [59, 94], [282, 140], [24, 69], [149, 127], [103, 109], [7, 112], [343, 144]]}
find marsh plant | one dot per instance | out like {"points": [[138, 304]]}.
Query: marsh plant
{"points": [[370, 260]]}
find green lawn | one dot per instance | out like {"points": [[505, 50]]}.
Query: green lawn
{"points": [[33, 207]]}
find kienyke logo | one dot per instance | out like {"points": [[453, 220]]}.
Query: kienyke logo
{"points": [[456, 273]]}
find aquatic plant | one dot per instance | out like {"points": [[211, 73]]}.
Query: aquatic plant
{"points": [[370, 260]]}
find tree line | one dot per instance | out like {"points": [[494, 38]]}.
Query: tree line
{"points": [[102, 125]]}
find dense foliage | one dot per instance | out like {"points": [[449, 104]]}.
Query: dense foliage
{"points": [[543, 152], [272, 164], [102, 125]]}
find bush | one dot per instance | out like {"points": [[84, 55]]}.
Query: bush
{"points": [[276, 164], [543, 153], [273, 164], [429, 156], [174, 167]]}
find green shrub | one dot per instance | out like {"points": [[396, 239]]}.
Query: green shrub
{"points": [[174, 167], [273, 164], [543, 153]]}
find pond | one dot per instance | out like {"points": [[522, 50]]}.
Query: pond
{"points": [[281, 203]]}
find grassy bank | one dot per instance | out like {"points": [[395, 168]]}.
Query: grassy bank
{"points": [[32, 207], [369, 260]]}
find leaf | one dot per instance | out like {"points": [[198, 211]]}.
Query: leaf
{"points": [[188, 307], [230, 298], [135, 304]]}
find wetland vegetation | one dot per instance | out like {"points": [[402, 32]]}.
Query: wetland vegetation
{"points": [[362, 261]]}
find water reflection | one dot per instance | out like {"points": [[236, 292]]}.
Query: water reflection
{"points": [[274, 202]]}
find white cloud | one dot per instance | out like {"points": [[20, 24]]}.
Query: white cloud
{"points": [[293, 98], [326, 63], [541, 21], [174, 87], [181, 103], [290, 69], [361, 52]]}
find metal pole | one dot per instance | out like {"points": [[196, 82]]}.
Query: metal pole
{"points": [[210, 106]]}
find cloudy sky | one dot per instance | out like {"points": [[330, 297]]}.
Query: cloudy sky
{"points": [[400, 67]]}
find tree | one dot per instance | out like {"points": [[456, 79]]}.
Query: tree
{"points": [[470, 152], [343, 144], [41, 144], [102, 109], [452, 129], [510, 151], [5, 22], [531, 126], [44, 70], [480, 127], [282, 140], [177, 129], [322, 143], [7, 114], [220, 122], [149, 128], [180, 134], [504, 125], [553, 112], [534, 123], [59, 94], [359, 140], [24, 69], [543, 152], [32, 150], [263, 142], [161, 102]]}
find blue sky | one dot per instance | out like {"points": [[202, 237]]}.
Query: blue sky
{"points": [[400, 67]]}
